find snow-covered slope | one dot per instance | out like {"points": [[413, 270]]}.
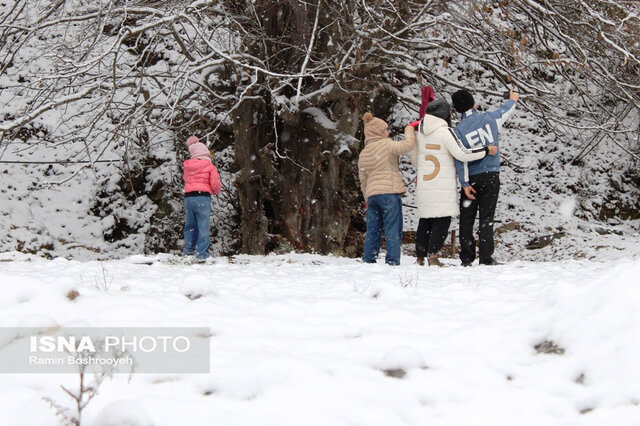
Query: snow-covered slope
{"points": [[50, 209], [108, 211]]}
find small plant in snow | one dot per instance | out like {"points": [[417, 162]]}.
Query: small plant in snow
{"points": [[103, 282], [89, 383], [408, 280], [367, 290], [85, 393]]}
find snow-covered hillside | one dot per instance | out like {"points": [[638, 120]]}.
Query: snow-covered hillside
{"points": [[575, 190], [50, 209], [320, 340]]}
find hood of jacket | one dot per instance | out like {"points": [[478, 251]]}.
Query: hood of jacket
{"points": [[430, 124], [375, 130]]}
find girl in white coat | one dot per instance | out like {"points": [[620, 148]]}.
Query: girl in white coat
{"points": [[436, 191]]}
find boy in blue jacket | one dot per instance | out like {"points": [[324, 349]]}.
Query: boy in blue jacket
{"points": [[480, 180]]}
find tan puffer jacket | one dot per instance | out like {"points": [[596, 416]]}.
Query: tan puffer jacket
{"points": [[378, 161]]}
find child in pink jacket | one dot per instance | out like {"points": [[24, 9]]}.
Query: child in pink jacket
{"points": [[201, 180]]}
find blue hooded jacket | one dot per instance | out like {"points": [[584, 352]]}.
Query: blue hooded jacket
{"points": [[477, 129]]}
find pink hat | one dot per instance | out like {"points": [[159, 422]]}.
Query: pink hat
{"points": [[192, 139], [200, 151]]}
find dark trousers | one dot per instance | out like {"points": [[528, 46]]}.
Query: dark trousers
{"points": [[487, 186], [431, 235]]}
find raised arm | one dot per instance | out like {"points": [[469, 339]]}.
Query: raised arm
{"points": [[406, 145], [504, 112], [414, 155]]}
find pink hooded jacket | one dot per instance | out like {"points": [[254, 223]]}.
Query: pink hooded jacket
{"points": [[201, 175]]}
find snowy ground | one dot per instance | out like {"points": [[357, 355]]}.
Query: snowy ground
{"points": [[314, 340]]}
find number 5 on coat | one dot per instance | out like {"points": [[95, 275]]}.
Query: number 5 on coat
{"points": [[434, 160]]}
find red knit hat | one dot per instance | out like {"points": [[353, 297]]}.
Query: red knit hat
{"points": [[427, 94]]}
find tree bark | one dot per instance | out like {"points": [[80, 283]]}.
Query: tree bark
{"points": [[252, 139], [295, 190]]}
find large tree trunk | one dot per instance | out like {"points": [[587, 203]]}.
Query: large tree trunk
{"points": [[319, 195], [252, 135], [294, 190], [297, 183]]}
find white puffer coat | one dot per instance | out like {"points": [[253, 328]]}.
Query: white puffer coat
{"points": [[436, 146]]}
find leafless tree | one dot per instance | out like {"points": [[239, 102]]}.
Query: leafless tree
{"points": [[576, 61], [281, 84]]}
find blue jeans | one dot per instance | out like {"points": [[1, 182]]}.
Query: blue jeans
{"points": [[196, 226], [384, 211]]}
